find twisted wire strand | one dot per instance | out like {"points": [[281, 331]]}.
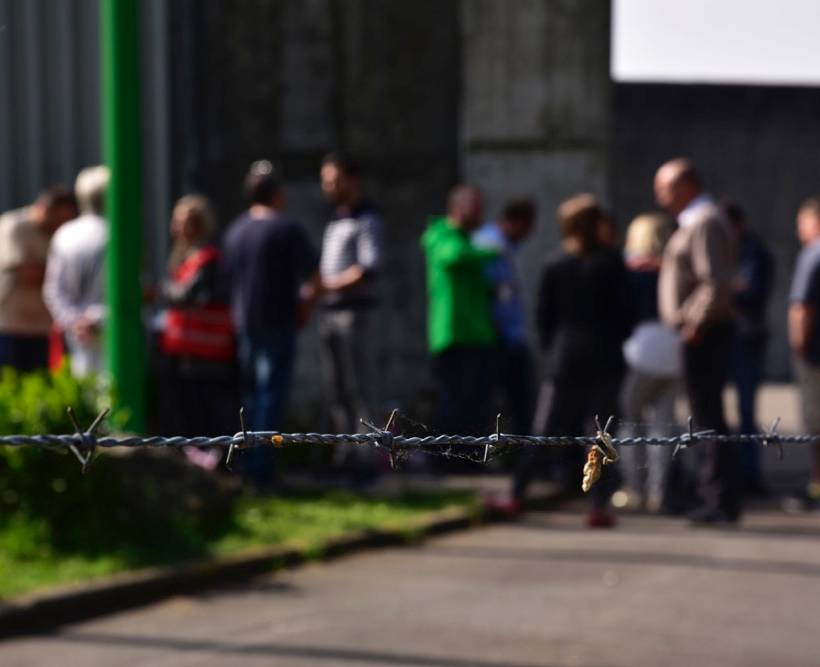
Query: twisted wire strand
{"points": [[83, 444], [386, 440]]}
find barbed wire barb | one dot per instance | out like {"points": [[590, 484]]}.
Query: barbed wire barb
{"points": [[772, 438], [604, 441], [691, 437], [497, 437], [386, 440], [86, 445], [234, 446]]}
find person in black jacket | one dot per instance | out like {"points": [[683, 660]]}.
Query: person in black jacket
{"points": [[583, 315], [751, 291]]}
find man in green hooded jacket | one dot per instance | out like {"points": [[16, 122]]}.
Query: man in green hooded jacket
{"points": [[460, 332]]}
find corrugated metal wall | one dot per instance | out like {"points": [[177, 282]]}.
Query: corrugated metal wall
{"points": [[49, 94], [50, 103]]}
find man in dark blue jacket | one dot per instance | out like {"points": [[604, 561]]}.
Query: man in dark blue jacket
{"points": [[272, 274], [752, 288]]}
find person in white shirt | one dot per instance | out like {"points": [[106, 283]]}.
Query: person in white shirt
{"points": [[73, 288]]}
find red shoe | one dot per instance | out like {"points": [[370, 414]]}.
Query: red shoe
{"points": [[600, 519], [508, 507]]}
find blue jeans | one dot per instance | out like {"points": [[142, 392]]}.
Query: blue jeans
{"points": [[266, 362], [25, 353]]}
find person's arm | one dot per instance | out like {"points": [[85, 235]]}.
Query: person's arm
{"points": [[755, 283], [462, 252], [713, 266], [88, 325], [805, 293], [307, 264], [350, 277], [59, 290], [801, 326], [18, 255], [309, 294], [225, 278]]}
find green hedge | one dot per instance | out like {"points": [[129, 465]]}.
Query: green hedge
{"points": [[135, 503], [36, 403]]}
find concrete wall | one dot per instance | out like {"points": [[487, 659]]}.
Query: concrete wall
{"points": [[48, 52], [292, 80], [515, 97], [759, 145], [536, 108]]}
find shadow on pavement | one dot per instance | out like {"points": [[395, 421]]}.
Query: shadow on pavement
{"points": [[609, 557], [648, 526], [281, 651], [263, 583]]}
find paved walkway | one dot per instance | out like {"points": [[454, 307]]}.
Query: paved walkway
{"points": [[543, 592]]}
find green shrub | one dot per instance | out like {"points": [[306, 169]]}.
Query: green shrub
{"points": [[133, 503], [35, 403]]}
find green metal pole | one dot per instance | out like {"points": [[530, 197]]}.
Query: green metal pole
{"points": [[122, 139]]}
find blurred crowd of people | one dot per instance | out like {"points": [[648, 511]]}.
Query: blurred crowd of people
{"points": [[680, 310]]}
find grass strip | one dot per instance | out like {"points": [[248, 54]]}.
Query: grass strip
{"points": [[31, 560]]}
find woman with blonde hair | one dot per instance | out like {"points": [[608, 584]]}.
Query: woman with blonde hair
{"points": [[653, 357], [197, 336]]}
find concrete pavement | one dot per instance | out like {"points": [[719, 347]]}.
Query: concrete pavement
{"points": [[542, 592]]}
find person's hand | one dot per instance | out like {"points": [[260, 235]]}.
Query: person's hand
{"points": [[689, 334], [86, 331], [327, 286], [311, 291]]}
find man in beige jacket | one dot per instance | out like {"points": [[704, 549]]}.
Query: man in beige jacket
{"points": [[694, 296], [25, 235]]}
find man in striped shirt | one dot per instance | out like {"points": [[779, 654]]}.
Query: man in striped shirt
{"points": [[351, 258]]}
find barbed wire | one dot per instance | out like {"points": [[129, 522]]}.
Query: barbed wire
{"points": [[84, 443]]}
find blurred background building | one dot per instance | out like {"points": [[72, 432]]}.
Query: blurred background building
{"points": [[518, 98]]}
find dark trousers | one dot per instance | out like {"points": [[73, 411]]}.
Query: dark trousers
{"points": [[25, 353], [347, 356], [515, 379], [577, 398], [706, 370], [197, 396], [748, 356], [464, 375]]}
